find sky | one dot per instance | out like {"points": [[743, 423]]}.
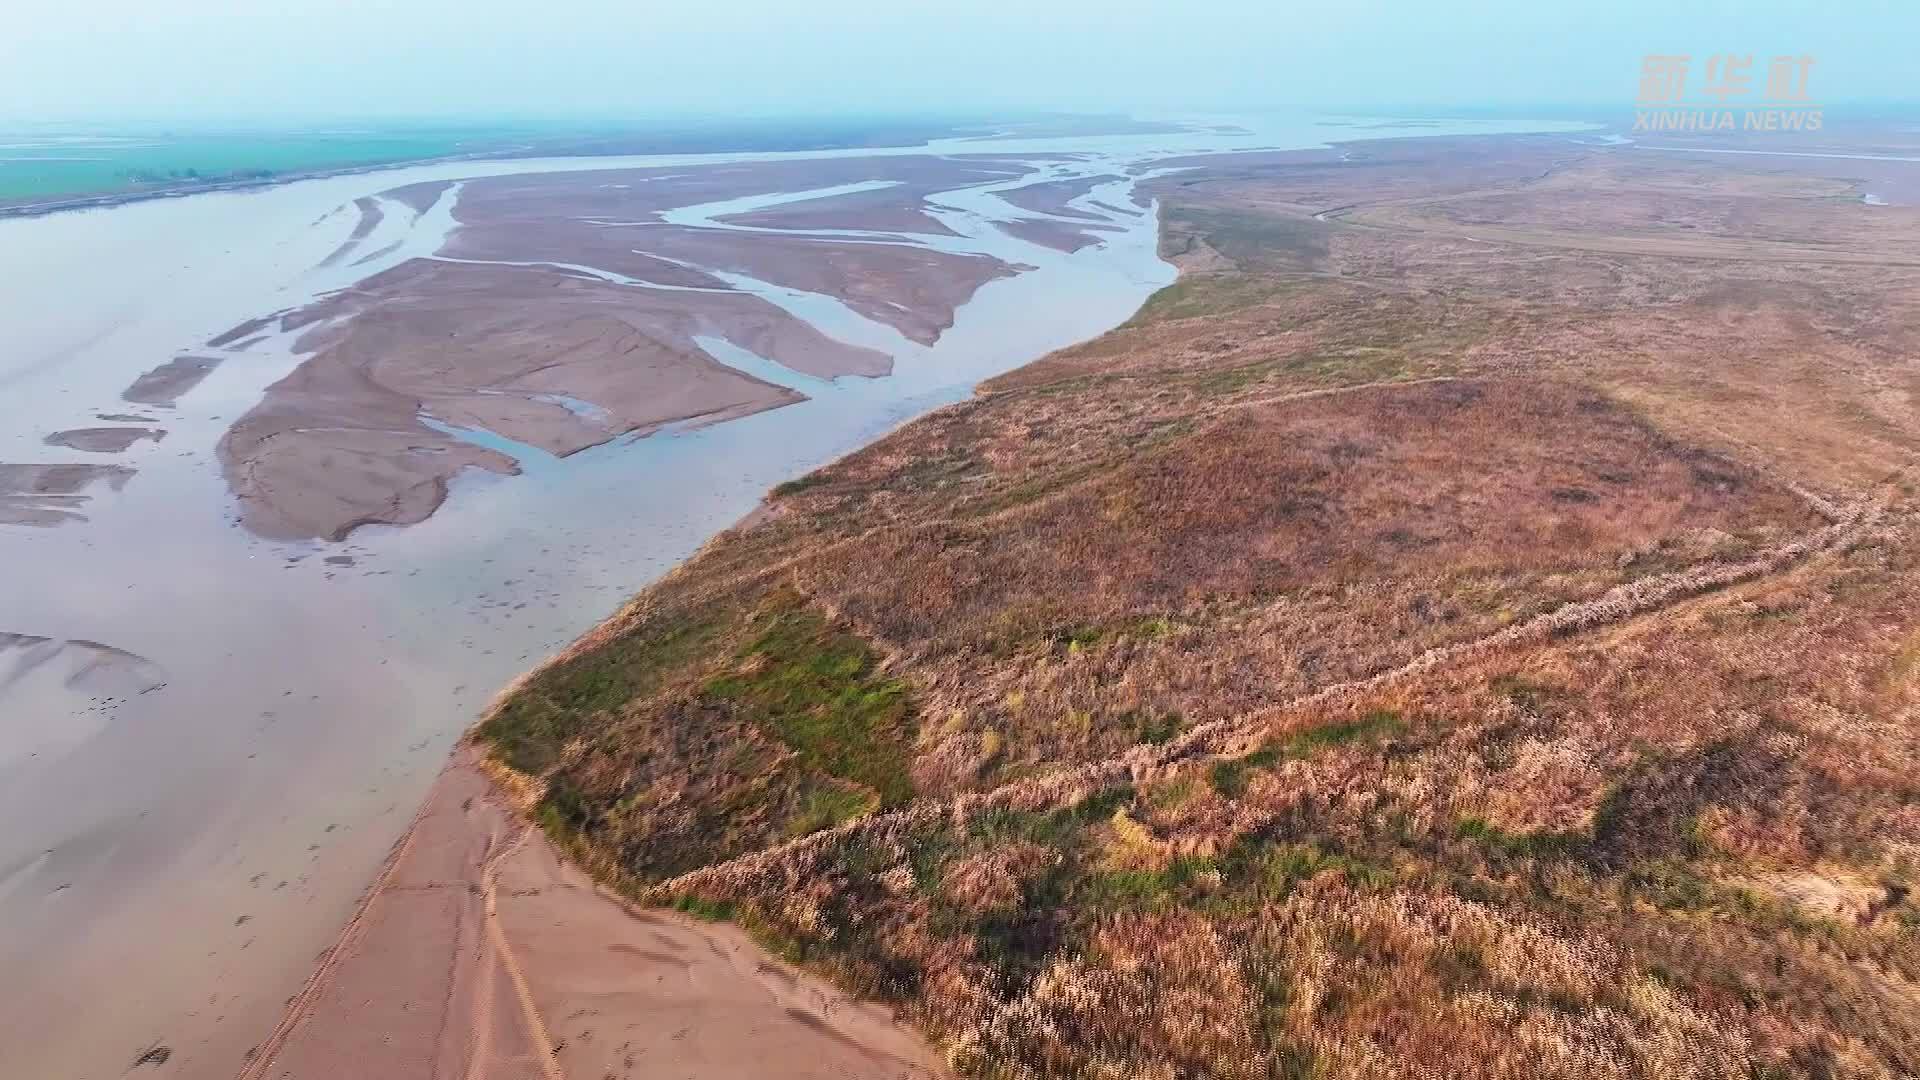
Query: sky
{"points": [[215, 60]]}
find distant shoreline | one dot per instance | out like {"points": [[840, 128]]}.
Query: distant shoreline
{"points": [[108, 200], [639, 142]]}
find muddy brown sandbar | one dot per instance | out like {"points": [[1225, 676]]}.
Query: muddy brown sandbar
{"points": [[419, 197], [103, 440], [170, 381], [612, 221], [1058, 235], [1052, 196], [44, 495], [514, 330], [370, 217], [900, 207], [357, 434]]}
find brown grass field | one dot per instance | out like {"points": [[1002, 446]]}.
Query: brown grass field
{"points": [[1464, 627]]}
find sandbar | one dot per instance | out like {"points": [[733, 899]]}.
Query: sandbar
{"points": [[419, 197], [901, 207], [1057, 235], [612, 221], [915, 290], [358, 433], [1052, 196], [565, 310], [43, 495], [104, 440], [370, 217], [247, 329], [81, 665], [170, 381]]}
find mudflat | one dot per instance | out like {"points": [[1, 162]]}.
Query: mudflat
{"points": [[567, 309], [52, 494], [549, 360], [165, 384], [1055, 196], [620, 221], [1058, 235], [480, 953], [104, 440], [370, 217]]}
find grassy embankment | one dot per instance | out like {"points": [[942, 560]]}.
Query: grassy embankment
{"points": [[1387, 654]]}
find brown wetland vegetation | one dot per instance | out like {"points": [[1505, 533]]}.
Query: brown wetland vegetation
{"points": [[1464, 627]]}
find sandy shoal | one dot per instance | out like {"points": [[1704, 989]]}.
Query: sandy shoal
{"points": [[1052, 196], [611, 220], [44, 495], [166, 383], [103, 440], [1057, 235], [548, 359], [481, 954], [370, 217]]}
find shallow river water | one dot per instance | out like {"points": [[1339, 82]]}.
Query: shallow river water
{"points": [[179, 838]]}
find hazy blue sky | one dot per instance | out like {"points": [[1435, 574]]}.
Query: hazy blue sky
{"points": [[108, 59]]}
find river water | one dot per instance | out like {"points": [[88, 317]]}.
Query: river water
{"points": [[182, 836]]}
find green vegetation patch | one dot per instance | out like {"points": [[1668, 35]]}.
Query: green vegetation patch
{"points": [[1229, 777], [828, 806], [87, 163], [1197, 295], [1155, 728], [1271, 871], [1374, 726], [1180, 881], [1522, 691], [1079, 637], [560, 703], [800, 484], [1542, 844], [1349, 366], [1054, 828], [817, 690], [1256, 240]]}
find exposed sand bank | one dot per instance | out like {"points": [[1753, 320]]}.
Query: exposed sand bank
{"points": [[914, 290], [167, 383], [420, 197], [880, 208], [370, 217], [104, 440], [1057, 235], [900, 207], [43, 495], [547, 359], [83, 665], [613, 222], [481, 954], [1053, 196], [537, 326], [37, 674]]}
